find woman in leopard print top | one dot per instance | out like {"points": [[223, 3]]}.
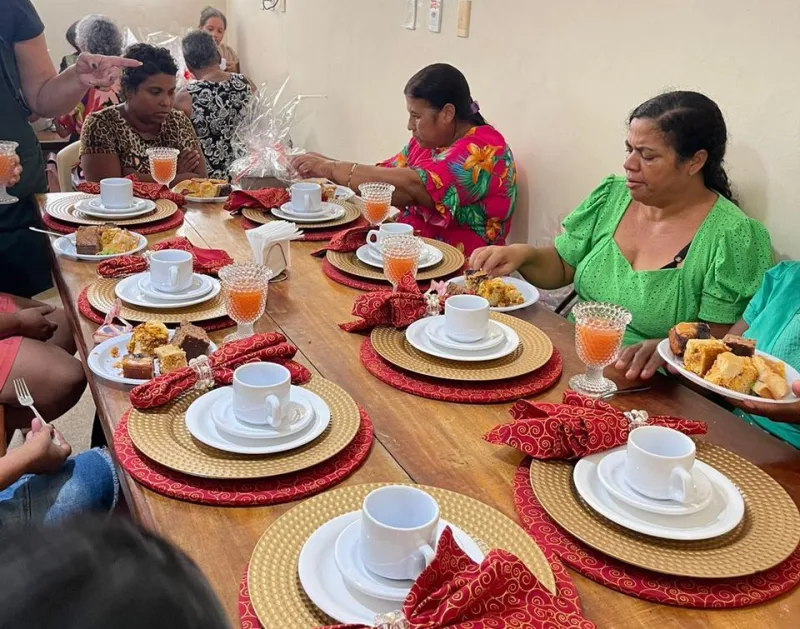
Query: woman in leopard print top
{"points": [[114, 141]]}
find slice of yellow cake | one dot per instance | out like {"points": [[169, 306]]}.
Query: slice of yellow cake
{"points": [[700, 354], [733, 372]]}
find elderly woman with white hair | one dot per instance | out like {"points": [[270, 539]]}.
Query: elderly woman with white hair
{"points": [[98, 35]]}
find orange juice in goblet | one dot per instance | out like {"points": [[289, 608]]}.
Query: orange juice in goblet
{"points": [[599, 329], [400, 258], [8, 151], [244, 290], [377, 198], [163, 164]]}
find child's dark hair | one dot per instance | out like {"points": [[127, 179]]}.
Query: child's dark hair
{"points": [[441, 84]]}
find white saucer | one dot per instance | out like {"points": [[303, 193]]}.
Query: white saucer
{"points": [[222, 414], [330, 212], [417, 337], [101, 361], [358, 576], [93, 207], [528, 291], [436, 333], [611, 471], [201, 285], [430, 256], [200, 424], [65, 246], [344, 194], [722, 514], [128, 291]]}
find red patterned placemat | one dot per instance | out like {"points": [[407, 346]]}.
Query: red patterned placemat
{"points": [[88, 311], [171, 222], [462, 392], [312, 235], [267, 491], [644, 584]]}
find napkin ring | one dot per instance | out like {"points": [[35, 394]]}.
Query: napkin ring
{"points": [[636, 419], [202, 369], [433, 307], [392, 620]]}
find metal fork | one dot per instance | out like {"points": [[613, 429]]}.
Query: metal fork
{"points": [[26, 399], [608, 396]]}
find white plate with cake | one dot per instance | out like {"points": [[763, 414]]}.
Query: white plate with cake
{"points": [[204, 190], [134, 358], [504, 294], [731, 366], [95, 243]]}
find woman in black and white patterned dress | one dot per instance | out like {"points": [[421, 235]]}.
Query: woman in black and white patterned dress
{"points": [[214, 101]]}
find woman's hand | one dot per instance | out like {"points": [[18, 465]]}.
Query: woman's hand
{"points": [[499, 261], [34, 324], [16, 173], [641, 361], [189, 161], [101, 70], [788, 413], [313, 165], [44, 456]]}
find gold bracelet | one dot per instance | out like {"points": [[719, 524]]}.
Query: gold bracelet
{"points": [[352, 170]]}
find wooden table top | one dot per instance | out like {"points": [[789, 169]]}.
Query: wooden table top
{"points": [[50, 139], [428, 442]]}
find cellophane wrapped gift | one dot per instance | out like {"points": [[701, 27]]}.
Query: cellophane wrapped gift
{"points": [[262, 142]]}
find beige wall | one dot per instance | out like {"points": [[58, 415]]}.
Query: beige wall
{"points": [[557, 79], [141, 16]]}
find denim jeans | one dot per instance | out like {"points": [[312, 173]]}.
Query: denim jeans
{"points": [[86, 482]]}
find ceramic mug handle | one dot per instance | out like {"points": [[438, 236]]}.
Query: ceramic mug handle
{"points": [[376, 240], [682, 489], [173, 277], [274, 414], [423, 558]]}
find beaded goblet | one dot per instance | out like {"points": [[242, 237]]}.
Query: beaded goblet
{"points": [[377, 198], [244, 289]]}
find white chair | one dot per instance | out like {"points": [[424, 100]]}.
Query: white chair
{"points": [[66, 160]]}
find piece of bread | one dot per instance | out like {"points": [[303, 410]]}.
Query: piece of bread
{"points": [[701, 353], [682, 333], [473, 280], [138, 366], [191, 339], [170, 358], [770, 383], [147, 337], [779, 367], [739, 345], [120, 241], [733, 372]]}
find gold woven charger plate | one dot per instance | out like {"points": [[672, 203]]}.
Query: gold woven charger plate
{"points": [[161, 435], [351, 213], [768, 533], [276, 593], [451, 263], [64, 210], [101, 296], [535, 349]]}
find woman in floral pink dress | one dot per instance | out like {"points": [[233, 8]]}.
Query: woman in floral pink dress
{"points": [[456, 180]]}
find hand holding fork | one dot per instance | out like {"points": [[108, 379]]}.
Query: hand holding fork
{"points": [[26, 399]]}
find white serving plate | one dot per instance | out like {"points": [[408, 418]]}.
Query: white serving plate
{"points": [[430, 256], [417, 336], [65, 246], [128, 291], [528, 291]]}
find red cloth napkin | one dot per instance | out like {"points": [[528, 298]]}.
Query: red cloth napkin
{"points": [[577, 428], [345, 241], [263, 199], [385, 307], [141, 190], [270, 347], [501, 593], [206, 261]]}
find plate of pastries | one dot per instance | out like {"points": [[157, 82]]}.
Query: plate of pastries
{"points": [[732, 366], [204, 190], [504, 294], [99, 242]]}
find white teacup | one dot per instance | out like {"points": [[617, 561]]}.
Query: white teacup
{"points": [[262, 394], [306, 197], [375, 237], [658, 464], [398, 531], [466, 318], [171, 270], [116, 193]]}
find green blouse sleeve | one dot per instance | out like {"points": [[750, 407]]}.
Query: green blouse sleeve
{"points": [[576, 240], [742, 256]]}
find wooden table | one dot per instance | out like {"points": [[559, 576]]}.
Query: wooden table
{"points": [[429, 442], [51, 141]]}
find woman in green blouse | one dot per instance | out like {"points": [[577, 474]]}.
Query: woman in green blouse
{"points": [[666, 241]]}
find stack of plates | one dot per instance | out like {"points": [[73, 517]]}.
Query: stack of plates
{"points": [[139, 291], [85, 209], [429, 335], [327, 212], [428, 257], [94, 207]]}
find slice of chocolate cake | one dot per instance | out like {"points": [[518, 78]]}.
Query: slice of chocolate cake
{"points": [[138, 366], [740, 346], [87, 240], [191, 339]]}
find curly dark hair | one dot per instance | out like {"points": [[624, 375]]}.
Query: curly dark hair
{"points": [[440, 84], [71, 33], [692, 122], [209, 12], [200, 50], [155, 60]]}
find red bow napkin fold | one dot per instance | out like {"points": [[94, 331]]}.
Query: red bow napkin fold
{"points": [[501, 593], [206, 261], [385, 307], [141, 190], [345, 241], [577, 428], [270, 347], [263, 199]]}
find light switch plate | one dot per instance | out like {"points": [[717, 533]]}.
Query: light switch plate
{"points": [[435, 16], [282, 6], [411, 15], [464, 17]]}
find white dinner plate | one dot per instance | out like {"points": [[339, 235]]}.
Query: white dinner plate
{"points": [[528, 291], [792, 376], [65, 246], [417, 336], [430, 256], [101, 360], [128, 291], [92, 207], [328, 212], [356, 575], [224, 418], [201, 285], [206, 199], [611, 471], [436, 333], [200, 424], [722, 515], [344, 194]]}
